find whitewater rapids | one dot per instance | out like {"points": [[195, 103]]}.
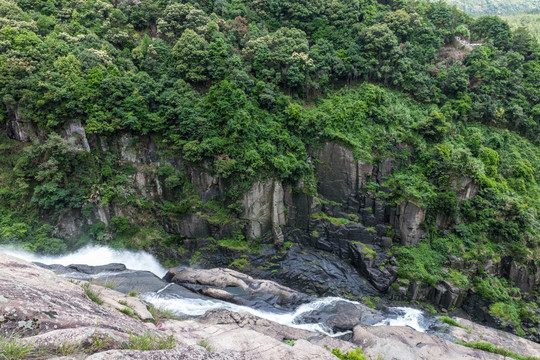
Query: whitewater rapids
{"points": [[140, 260]]}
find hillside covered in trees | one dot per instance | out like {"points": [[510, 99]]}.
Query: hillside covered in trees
{"points": [[241, 91], [516, 12], [529, 20], [495, 7]]}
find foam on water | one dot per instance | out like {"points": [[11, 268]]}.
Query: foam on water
{"points": [[404, 316], [197, 307], [94, 255], [140, 260]]}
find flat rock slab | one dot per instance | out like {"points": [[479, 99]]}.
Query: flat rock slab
{"points": [[272, 329], [499, 338], [253, 341], [185, 353], [404, 343]]}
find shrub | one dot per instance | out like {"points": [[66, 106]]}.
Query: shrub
{"points": [[149, 341], [356, 354]]}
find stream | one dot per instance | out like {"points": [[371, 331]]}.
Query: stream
{"points": [[299, 317]]}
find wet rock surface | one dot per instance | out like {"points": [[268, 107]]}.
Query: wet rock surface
{"points": [[233, 286], [343, 316], [112, 275], [323, 274]]}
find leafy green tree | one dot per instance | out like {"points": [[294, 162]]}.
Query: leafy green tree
{"points": [[191, 56]]}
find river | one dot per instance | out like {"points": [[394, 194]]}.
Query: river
{"points": [[187, 307]]}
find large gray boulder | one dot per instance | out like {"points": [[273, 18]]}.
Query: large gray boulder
{"points": [[235, 287]]}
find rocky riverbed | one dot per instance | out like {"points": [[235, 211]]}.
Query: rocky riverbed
{"points": [[52, 316]]}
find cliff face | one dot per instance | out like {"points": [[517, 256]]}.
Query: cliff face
{"points": [[343, 232]]}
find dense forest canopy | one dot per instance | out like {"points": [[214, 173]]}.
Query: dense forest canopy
{"points": [[249, 86]]}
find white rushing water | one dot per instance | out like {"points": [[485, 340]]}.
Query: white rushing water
{"points": [[197, 307], [140, 260], [94, 255], [405, 316]]}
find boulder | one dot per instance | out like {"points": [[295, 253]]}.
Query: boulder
{"points": [[321, 273], [206, 186], [115, 276], [343, 315], [233, 286], [76, 136], [19, 128], [264, 210]]}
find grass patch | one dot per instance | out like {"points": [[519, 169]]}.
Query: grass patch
{"points": [[109, 284], [205, 344], [369, 252], [149, 341], [161, 314], [128, 310], [240, 263], [91, 294], [12, 349], [68, 348], [489, 347], [133, 293], [333, 220], [452, 322], [98, 342]]}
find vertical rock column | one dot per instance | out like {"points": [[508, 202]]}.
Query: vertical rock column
{"points": [[278, 215]]}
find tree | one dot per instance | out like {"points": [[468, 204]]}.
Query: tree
{"points": [[381, 49], [493, 28], [191, 56]]}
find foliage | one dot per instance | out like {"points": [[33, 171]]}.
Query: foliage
{"points": [[13, 348], [160, 314], [149, 341], [92, 295], [356, 354], [247, 91], [452, 322]]}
